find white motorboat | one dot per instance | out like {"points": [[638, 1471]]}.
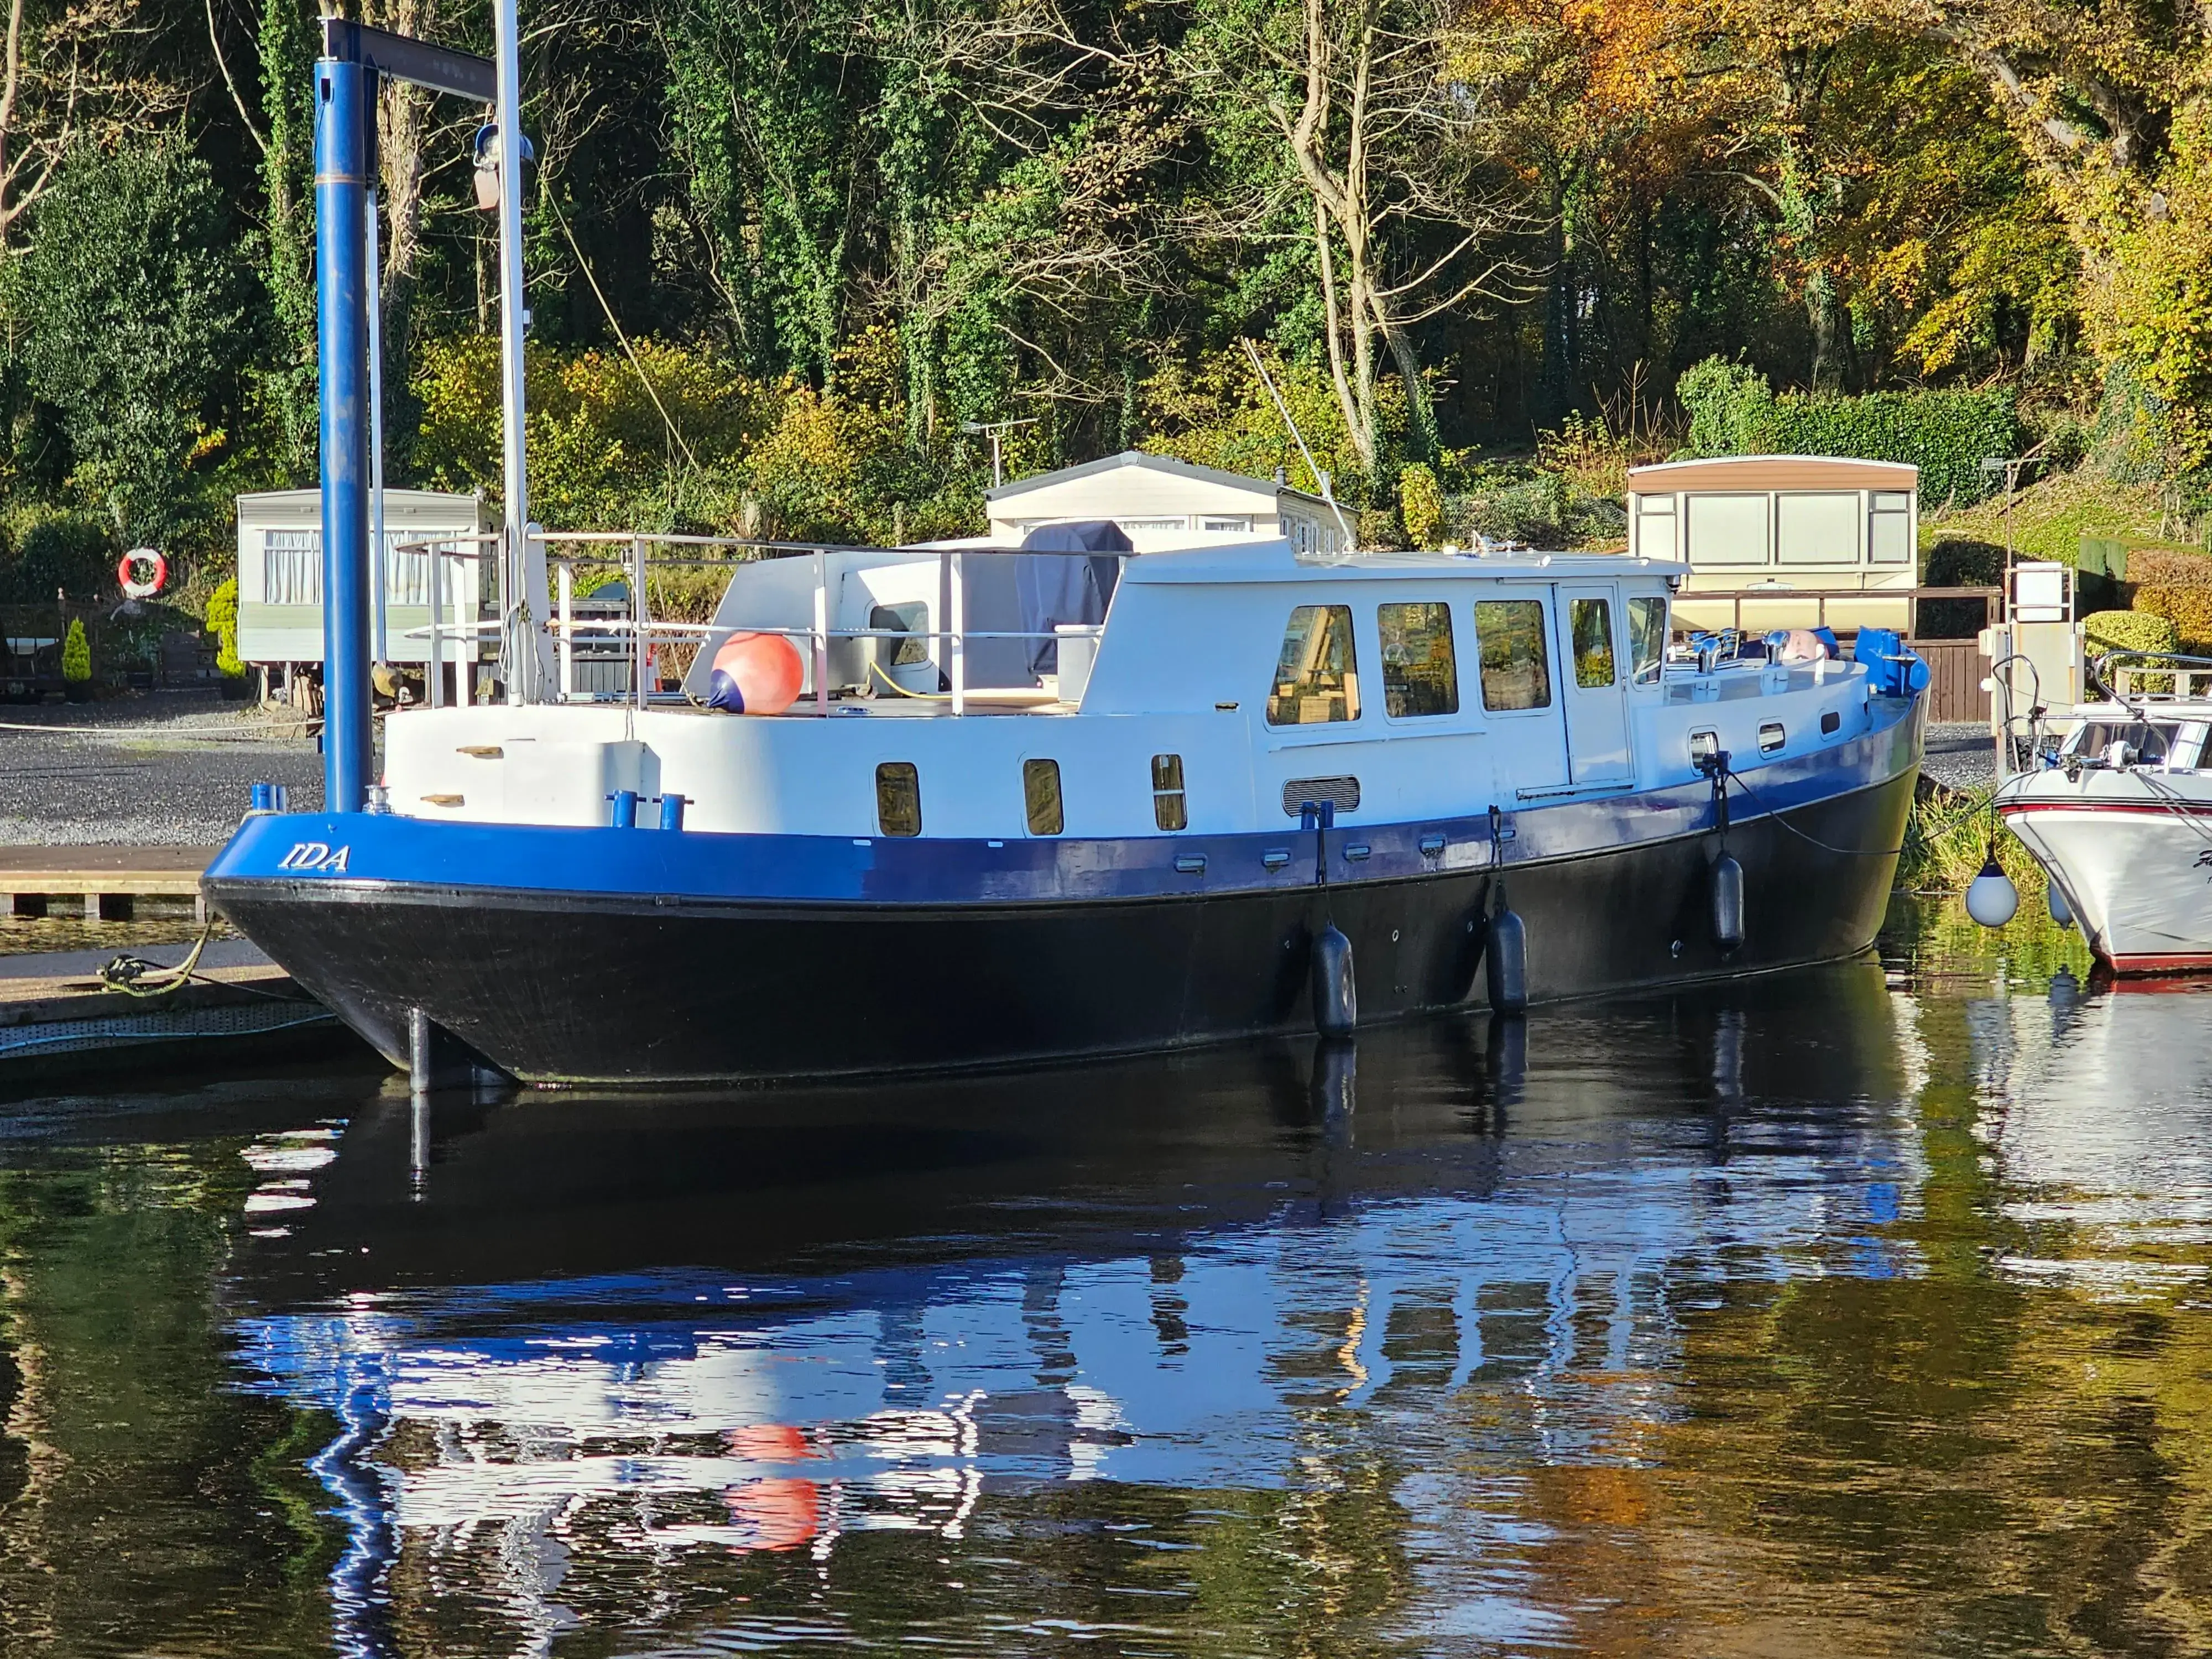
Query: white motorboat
{"points": [[2118, 812]]}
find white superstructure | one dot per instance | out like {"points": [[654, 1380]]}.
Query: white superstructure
{"points": [[1231, 685]]}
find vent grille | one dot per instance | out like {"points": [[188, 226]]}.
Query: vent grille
{"points": [[1345, 791]]}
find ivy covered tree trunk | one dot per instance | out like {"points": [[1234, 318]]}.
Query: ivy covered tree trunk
{"points": [[287, 55]]}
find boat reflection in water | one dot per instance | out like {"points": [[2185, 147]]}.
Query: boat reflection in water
{"points": [[1402, 1271]]}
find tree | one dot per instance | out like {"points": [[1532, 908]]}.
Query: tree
{"points": [[71, 74], [77, 653], [130, 303], [1385, 116]]}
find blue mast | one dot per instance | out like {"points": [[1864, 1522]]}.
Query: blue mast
{"points": [[344, 97], [353, 56]]}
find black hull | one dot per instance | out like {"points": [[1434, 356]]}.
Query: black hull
{"points": [[615, 989]]}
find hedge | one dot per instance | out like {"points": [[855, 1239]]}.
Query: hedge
{"points": [[2128, 630], [2189, 610], [1946, 435]]}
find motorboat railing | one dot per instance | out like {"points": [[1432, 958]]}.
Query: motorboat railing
{"points": [[641, 633], [2178, 678]]}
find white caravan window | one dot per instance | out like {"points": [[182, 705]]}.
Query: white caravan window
{"points": [[1232, 526], [1727, 530], [1889, 528], [292, 566], [1822, 529], [1655, 526]]}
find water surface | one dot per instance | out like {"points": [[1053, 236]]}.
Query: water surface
{"points": [[1863, 1311]]}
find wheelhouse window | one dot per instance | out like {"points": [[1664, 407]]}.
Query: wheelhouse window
{"points": [[1421, 675], [1169, 810], [1317, 674], [1647, 641], [1590, 623], [1517, 669], [898, 799], [1040, 797]]}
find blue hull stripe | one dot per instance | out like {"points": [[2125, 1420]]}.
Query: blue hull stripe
{"points": [[367, 855]]}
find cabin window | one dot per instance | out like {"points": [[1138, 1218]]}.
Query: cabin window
{"points": [[1773, 737], [1727, 530], [1229, 526], [1419, 674], [1516, 670], [1168, 809], [898, 799], [1154, 524], [1889, 527], [1590, 622], [1820, 528], [1647, 640], [1318, 675], [1041, 796]]}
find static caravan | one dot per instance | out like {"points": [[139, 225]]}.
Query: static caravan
{"points": [[279, 575], [1161, 503], [1820, 535]]}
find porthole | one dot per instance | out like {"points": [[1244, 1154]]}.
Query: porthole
{"points": [[1771, 737], [898, 799], [1041, 796], [1169, 810], [1831, 723]]}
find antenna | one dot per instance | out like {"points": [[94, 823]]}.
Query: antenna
{"points": [[1350, 541]]}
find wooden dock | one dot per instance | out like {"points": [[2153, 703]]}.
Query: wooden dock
{"points": [[61, 1026], [104, 881]]}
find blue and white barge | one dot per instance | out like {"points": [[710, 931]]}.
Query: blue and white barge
{"points": [[1390, 752]]}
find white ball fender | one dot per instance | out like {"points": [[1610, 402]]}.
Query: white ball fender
{"points": [[1991, 899]]}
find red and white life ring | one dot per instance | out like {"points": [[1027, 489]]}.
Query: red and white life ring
{"points": [[143, 572]]}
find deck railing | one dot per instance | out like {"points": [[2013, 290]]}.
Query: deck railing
{"points": [[639, 632]]}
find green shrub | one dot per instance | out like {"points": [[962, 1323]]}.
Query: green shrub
{"points": [[222, 619], [50, 552], [1946, 435], [77, 653], [2128, 630]]}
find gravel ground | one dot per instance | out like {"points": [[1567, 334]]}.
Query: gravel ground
{"points": [[158, 768], [1959, 757]]}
